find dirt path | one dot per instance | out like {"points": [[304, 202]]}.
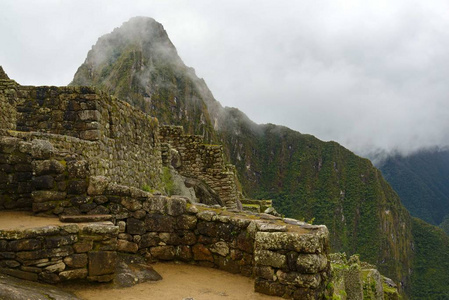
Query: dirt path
{"points": [[180, 281]]}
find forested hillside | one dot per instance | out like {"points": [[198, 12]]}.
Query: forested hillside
{"points": [[307, 178]]}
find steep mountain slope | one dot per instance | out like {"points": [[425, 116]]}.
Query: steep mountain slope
{"points": [[306, 177], [421, 180]]}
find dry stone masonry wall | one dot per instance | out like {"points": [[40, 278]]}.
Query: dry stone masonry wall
{"points": [[57, 253], [201, 161], [118, 141]]}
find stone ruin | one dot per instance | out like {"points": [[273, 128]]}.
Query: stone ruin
{"points": [[79, 154]]}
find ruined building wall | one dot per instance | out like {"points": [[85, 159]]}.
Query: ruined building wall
{"points": [[117, 140], [201, 161]]}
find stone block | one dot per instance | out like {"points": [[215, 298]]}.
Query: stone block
{"points": [[163, 252], [269, 287], [25, 245], [83, 246], [41, 149], [56, 268], [78, 169], [46, 167], [126, 246], [270, 258], [97, 186], [45, 182], [264, 272], [311, 281], [131, 204], [73, 274], [77, 187], [311, 263], [176, 206], [135, 226], [58, 241], [150, 239], [19, 274], [102, 262], [302, 243], [44, 196], [200, 252], [221, 248], [160, 223], [76, 260], [186, 222], [184, 253]]}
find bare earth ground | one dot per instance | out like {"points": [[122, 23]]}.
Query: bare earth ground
{"points": [[24, 219], [179, 281]]}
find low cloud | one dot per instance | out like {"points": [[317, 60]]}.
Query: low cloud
{"points": [[370, 75]]}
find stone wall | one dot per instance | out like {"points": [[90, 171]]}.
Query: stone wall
{"points": [[60, 252], [287, 257], [121, 142], [201, 161]]}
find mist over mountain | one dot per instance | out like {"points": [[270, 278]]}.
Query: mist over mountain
{"points": [[307, 178], [370, 75], [421, 180]]}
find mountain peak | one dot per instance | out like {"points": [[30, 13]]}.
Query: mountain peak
{"points": [[3, 75]]}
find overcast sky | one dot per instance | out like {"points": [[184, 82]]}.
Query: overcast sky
{"points": [[367, 74]]}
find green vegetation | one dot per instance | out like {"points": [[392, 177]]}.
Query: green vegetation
{"points": [[167, 181], [430, 276], [421, 182]]}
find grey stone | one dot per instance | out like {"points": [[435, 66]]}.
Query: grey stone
{"points": [[220, 248]]}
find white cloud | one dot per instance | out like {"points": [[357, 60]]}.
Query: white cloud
{"points": [[368, 74]]}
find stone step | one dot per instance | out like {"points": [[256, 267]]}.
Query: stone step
{"points": [[85, 218]]}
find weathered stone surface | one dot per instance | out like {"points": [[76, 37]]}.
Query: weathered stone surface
{"points": [[103, 228], [207, 215], [200, 252], [264, 272], [83, 246], [220, 248], [58, 241], [135, 226], [163, 252], [304, 243], [97, 185], [16, 289], [149, 240], [269, 287], [85, 218], [126, 246], [268, 227], [25, 245], [56, 268], [270, 258], [46, 167], [73, 274], [160, 223], [301, 280], [131, 204], [186, 222], [77, 187], [19, 274], [78, 169], [184, 253], [41, 149], [45, 182], [76, 260], [311, 263], [101, 262]]}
